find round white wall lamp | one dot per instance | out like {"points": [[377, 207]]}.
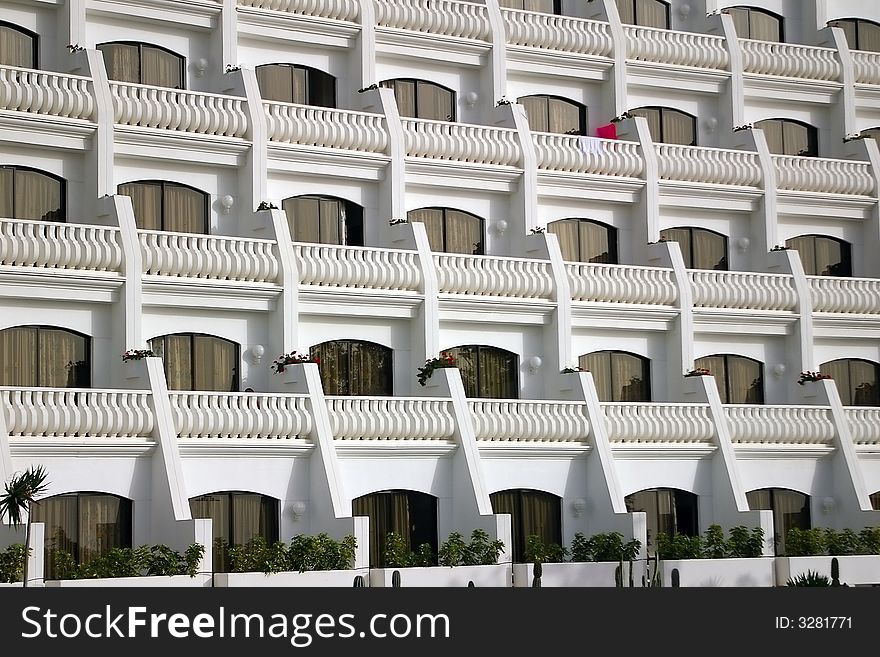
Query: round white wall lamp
{"points": [[534, 363], [257, 352], [226, 203], [471, 98], [298, 509]]}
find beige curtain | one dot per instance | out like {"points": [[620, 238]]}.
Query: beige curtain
{"points": [[122, 62], [805, 246], [248, 519], [433, 220], [678, 128], [773, 134], [652, 13], [541, 516], [16, 48], [869, 37], [790, 509], [497, 374], [59, 514], [683, 237], [567, 233], [849, 29], [764, 27], [160, 68], [62, 361], [744, 381], [146, 202], [434, 102], [185, 210], [37, 197], [599, 364], [401, 521], [652, 116], [176, 353], [629, 377], [275, 82], [217, 508], [537, 112], [863, 382], [709, 250], [214, 364], [463, 233], [333, 366], [18, 357], [508, 501], [596, 242], [303, 216], [101, 528], [466, 361], [795, 137], [332, 219], [404, 95], [625, 9], [564, 117], [740, 22], [7, 204], [840, 372], [545, 6], [369, 369], [827, 256], [716, 365]]}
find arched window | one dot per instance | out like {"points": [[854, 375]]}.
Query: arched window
{"points": [[420, 99], [790, 509], [451, 231], [649, 13], [324, 220], [44, 356], [198, 362], [700, 248], [758, 24], [18, 46], [668, 511], [856, 380], [487, 372], [354, 367], [292, 83], [533, 513], [161, 205], [872, 133], [83, 525], [740, 380], [789, 137], [410, 514], [619, 376], [555, 114], [237, 518], [823, 256], [27, 193], [669, 126], [143, 63], [545, 6], [861, 34], [584, 240]]}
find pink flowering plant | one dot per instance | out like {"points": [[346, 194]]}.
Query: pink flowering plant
{"points": [[812, 376], [293, 358], [700, 371], [137, 354], [426, 370]]}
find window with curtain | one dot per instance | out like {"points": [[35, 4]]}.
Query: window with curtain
{"points": [[856, 380], [324, 220], [758, 24], [790, 509], [143, 63], [18, 46], [237, 518], [292, 83], [861, 34], [823, 256], [420, 99], [198, 362], [875, 501], [669, 126], [533, 513], [161, 205], [584, 240], [487, 372], [410, 514], [545, 6], [554, 114], [354, 367], [27, 193], [44, 356], [85, 525], [872, 133], [619, 376], [667, 510], [648, 13], [740, 380], [700, 248], [451, 231], [788, 137]]}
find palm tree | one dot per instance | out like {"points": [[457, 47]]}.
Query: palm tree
{"points": [[16, 502]]}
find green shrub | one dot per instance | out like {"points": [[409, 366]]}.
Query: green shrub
{"points": [[809, 578], [679, 546], [842, 543], [321, 552], [481, 551], [397, 554], [129, 562], [258, 556], [714, 545], [538, 552], [869, 540], [604, 547], [745, 542], [804, 542], [12, 563]]}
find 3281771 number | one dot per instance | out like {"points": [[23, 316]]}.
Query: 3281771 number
{"points": [[824, 622]]}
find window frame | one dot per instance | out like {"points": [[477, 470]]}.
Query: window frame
{"points": [[480, 247], [62, 193], [389, 374], [611, 236], [351, 209], [35, 41], [691, 252], [308, 86], [777, 520], [206, 215], [387, 497], [86, 376], [417, 82], [812, 149], [581, 130], [780, 21], [479, 349], [681, 500], [845, 253], [646, 371], [727, 358], [849, 363], [236, 380], [670, 110], [518, 536], [140, 46], [856, 22]]}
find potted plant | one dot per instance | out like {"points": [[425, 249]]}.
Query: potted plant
{"points": [[807, 377], [442, 361]]}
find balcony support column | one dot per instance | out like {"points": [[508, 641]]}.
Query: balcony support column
{"points": [[736, 90], [497, 68], [229, 34], [365, 52], [524, 208], [619, 47], [284, 324], [868, 264], [100, 173], [843, 113], [253, 187], [392, 188], [75, 14], [6, 470], [764, 228]]}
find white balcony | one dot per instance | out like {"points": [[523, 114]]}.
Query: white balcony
{"points": [[530, 29], [516, 420], [823, 175], [631, 424], [864, 426], [450, 18], [46, 93], [867, 67], [845, 295], [790, 60], [587, 155], [670, 47], [601, 283], [493, 276], [251, 416], [708, 166], [340, 10], [742, 290], [48, 245], [461, 142], [370, 419], [323, 127], [790, 426], [357, 267]]}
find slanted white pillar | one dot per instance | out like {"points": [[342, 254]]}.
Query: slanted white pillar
{"points": [[497, 67], [619, 46], [365, 52]]}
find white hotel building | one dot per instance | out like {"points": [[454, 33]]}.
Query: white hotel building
{"points": [[435, 184]]}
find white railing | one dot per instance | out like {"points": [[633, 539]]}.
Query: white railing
{"points": [[325, 127], [651, 44], [76, 413], [340, 10], [742, 289], [44, 92], [790, 60], [355, 266], [176, 109], [797, 425], [715, 166], [813, 174], [867, 67], [864, 425], [53, 245], [664, 422], [621, 284], [465, 20], [591, 155], [390, 418], [527, 420], [551, 32], [240, 415], [831, 294], [209, 256], [493, 276], [461, 142]]}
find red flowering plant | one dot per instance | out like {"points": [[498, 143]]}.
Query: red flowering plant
{"points": [[426, 370], [812, 376], [293, 358], [137, 354], [700, 371]]}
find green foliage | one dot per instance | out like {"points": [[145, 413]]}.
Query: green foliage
{"points": [[714, 545], [678, 546], [397, 553], [130, 562], [538, 552], [257, 555], [12, 563], [869, 538], [604, 547], [481, 551], [809, 578], [20, 492], [804, 542], [321, 552], [842, 543], [744, 542]]}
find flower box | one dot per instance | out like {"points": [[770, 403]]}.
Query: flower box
{"points": [[757, 571], [156, 581], [498, 575], [855, 570], [586, 573], [311, 578]]}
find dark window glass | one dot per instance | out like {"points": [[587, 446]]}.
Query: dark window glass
{"points": [[291, 83], [44, 356], [790, 509], [30, 194], [533, 513], [324, 220], [860, 33], [451, 231], [822, 256], [700, 248], [875, 501], [583, 240], [856, 380], [198, 362], [237, 518], [668, 511], [553, 114], [648, 13], [85, 525], [669, 126], [354, 367], [410, 514], [420, 99], [740, 380], [160, 205], [619, 376], [142, 63], [872, 133], [487, 372], [545, 6], [18, 46], [759, 24], [787, 137]]}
